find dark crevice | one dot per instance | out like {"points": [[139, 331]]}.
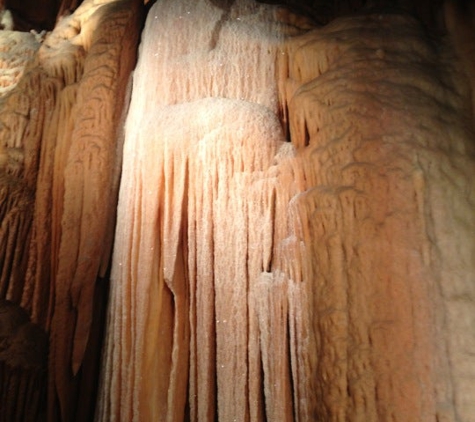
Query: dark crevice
{"points": [[225, 5], [88, 376], [273, 219], [30, 15], [306, 135], [262, 389], [291, 378], [284, 121]]}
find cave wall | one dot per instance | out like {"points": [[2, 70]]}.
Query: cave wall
{"points": [[294, 236], [319, 275], [60, 125]]}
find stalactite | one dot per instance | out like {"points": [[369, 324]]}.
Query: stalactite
{"points": [[61, 144], [294, 237], [180, 273], [256, 279]]}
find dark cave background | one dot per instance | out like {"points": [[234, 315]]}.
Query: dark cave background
{"points": [[42, 14]]}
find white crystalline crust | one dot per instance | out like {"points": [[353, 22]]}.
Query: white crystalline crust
{"points": [[200, 177], [16, 51]]}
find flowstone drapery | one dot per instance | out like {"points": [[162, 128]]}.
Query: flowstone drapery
{"points": [[294, 232], [259, 279]]}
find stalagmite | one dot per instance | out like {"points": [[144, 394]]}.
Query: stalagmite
{"points": [[327, 278]]}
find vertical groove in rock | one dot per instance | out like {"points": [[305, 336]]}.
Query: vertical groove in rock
{"points": [[325, 278], [195, 226], [264, 280], [387, 166], [59, 160]]}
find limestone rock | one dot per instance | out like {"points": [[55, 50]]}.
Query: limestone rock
{"points": [[60, 154], [326, 278], [294, 235]]}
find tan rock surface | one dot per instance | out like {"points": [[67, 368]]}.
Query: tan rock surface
{"points": [[61, 127], [295, 228], [330, 278], [390, 154]]}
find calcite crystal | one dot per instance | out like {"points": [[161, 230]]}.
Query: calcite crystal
{"points": [[17, 50]]}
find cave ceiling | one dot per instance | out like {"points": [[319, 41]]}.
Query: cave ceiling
{"points": [[41, 15]]}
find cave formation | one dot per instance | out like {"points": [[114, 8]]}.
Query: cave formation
{"points": [[237, 210]]}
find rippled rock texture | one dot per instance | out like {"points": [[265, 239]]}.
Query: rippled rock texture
{"points": [[284, 212], [60, 164]]}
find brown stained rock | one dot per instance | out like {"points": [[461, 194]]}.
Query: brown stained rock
{"points": [[23, 363], [64, 117], [15, 217], [87, 195], [387, 162]]}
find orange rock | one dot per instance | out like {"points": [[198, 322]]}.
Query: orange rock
{"points": [[259, 280], [65, 116], [294, 236]]}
